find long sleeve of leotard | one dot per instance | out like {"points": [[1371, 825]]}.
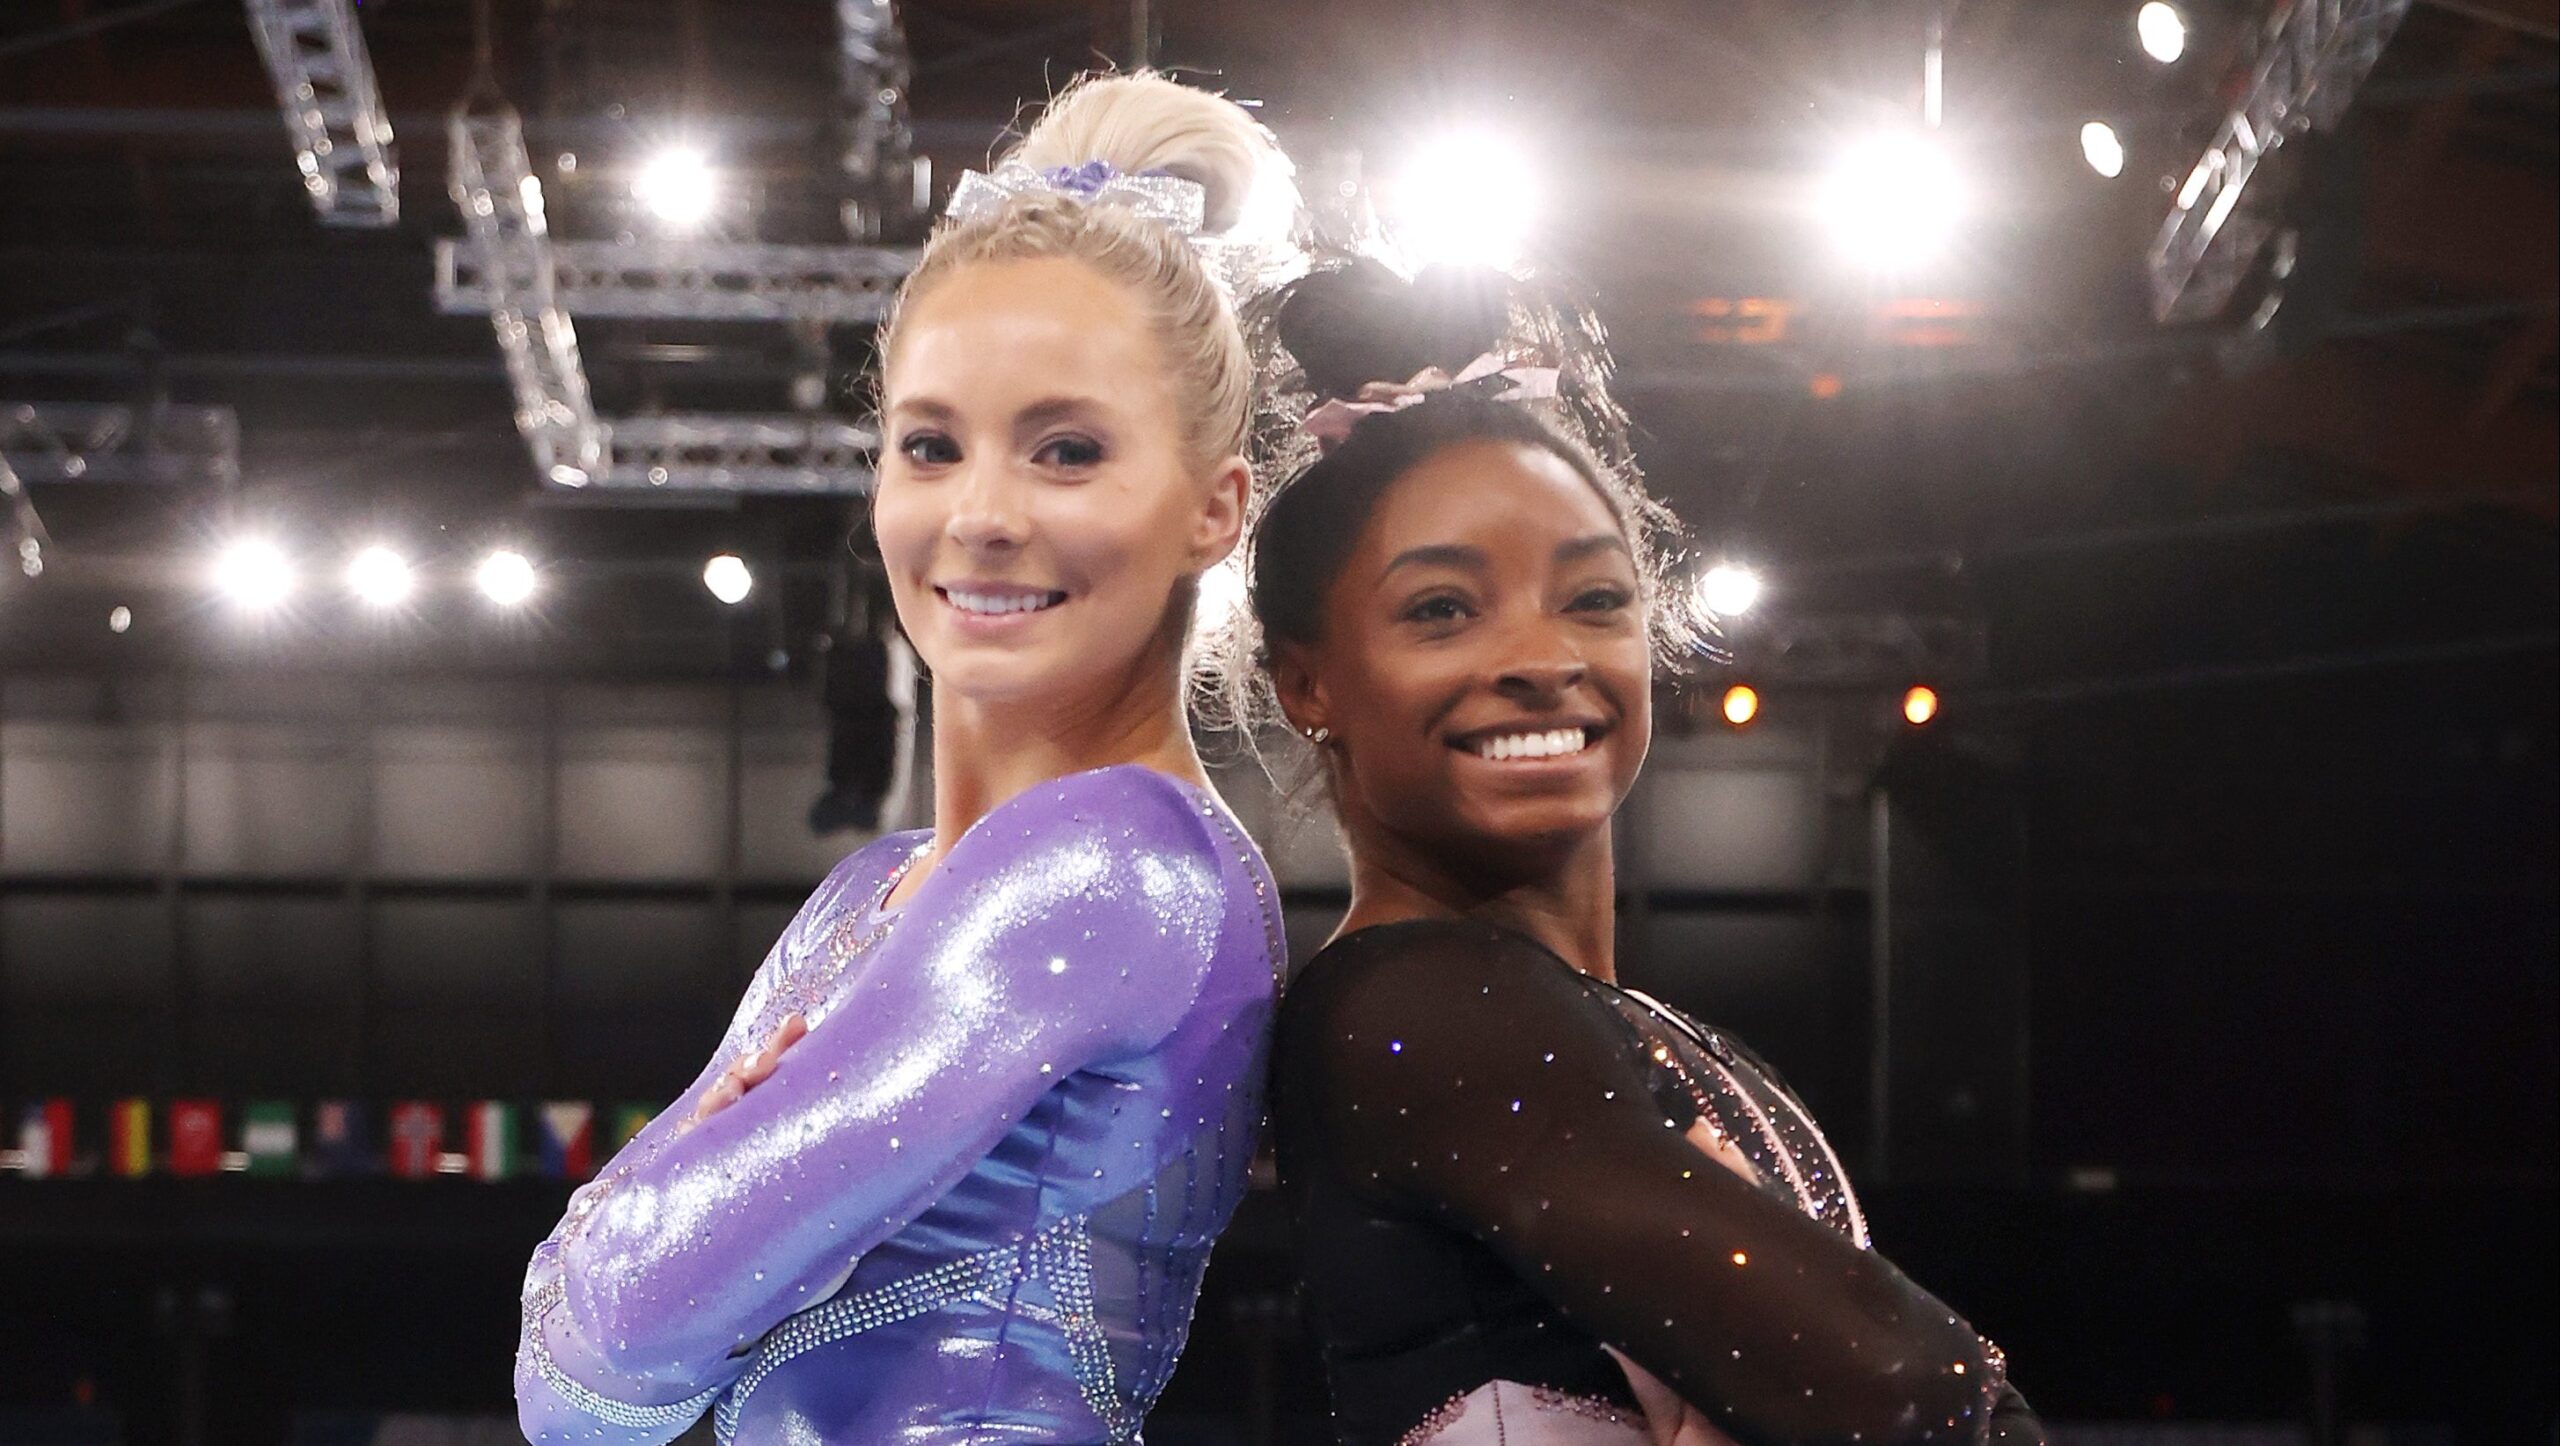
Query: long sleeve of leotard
{"points": [[1465, 1073], [1086, 940], [2014, 1421], [551, 1404]]}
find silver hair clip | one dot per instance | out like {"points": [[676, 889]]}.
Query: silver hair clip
{"points": [[1177, 203]]}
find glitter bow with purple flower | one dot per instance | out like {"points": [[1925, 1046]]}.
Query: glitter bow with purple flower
{"points": [[1177, 203]]}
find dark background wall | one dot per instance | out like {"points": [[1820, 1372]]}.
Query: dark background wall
{"points": [[2200, 1007]]}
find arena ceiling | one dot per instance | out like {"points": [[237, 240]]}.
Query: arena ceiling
{"points": [[1874, 444]]}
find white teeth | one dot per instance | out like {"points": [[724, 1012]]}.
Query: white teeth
{"points": [[1554, 743], [998, 604]]}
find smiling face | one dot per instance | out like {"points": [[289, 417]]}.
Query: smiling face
{"points": [[1483, 665], [1038, 516]]}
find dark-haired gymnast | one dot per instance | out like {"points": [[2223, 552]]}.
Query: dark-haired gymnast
{"points": [[1534, 1207]]}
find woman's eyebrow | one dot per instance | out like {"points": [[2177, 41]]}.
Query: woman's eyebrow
{"points": [[1050, 410], [1437, 554], [1579, 548], [927, 408]]}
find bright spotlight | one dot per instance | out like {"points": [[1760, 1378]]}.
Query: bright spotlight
{"points": [[728, 578], [1728, 591], [2104, 151], [2163, 31], [254, 573], [1741, 704], [678, 186], [506, 577], [1220, 601], [1893, 201], [1919, 705], [1467, 197], [380, 576]]}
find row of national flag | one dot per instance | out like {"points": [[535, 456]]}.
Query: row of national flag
{"points": [[406, 1139]]}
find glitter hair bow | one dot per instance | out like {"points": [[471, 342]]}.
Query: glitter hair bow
{"points": [[1486, 375], [1169, 199]]}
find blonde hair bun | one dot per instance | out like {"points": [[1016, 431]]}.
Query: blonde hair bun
{"points": [[1144, 122]]}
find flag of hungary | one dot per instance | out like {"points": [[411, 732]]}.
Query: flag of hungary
{"points": [[268, 1136], [492, 1140]]}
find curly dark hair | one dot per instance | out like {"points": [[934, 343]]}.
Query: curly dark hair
{"points": [[1348, 325]]}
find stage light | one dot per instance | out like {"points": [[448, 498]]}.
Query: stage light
{"points": [[1741, 704], [2104, 152], [1893, 201], [678, 186], [1728, 590], [506, 577], [728, 578], [1220, 601], [2163, 31], [1467, 197], [1919, 705], [380, 576], [254, 573]]}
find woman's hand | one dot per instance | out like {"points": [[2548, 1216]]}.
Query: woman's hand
{"points": [[753, 1070], [1719, 1147]]}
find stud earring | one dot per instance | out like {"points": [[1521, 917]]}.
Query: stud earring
{"points": [[1319, 736]]}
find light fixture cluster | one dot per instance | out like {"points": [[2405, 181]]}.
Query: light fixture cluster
{"points": [[1890, 200], [2161, 30], [1741, 704], [254, 573]]}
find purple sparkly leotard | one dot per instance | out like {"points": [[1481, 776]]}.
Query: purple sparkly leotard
{"points": [[974, 1203]]}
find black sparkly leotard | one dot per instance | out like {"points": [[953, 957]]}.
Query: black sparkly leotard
{"points": [[1491, 1163]]}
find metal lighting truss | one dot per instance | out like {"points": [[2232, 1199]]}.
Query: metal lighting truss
{"points": [[94, 442], [104, 442], [683, 280], [725, 452], [530, 286], [501, 203], [872, 77], [324, 81], [511, 269], [2316, 53]]}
